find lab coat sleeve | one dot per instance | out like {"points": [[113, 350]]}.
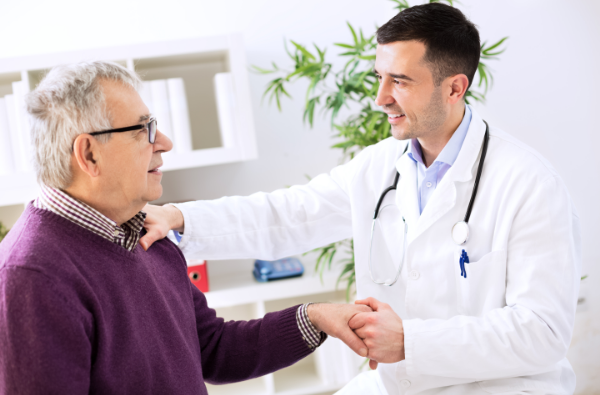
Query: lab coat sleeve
{"points": [[533, 331], [271, 225]]}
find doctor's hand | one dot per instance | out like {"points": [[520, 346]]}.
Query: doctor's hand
{"points": [[382, 332], [333, 319], [159, 221]]}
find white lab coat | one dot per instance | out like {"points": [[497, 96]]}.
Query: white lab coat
{"points": [[505, 328]]}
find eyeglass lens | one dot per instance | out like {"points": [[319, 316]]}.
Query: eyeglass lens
{"points": [[152, 127]]}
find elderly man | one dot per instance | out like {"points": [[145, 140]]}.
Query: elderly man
{"points": [[83, 308]]}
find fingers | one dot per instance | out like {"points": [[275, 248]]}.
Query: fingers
{"points": [[354, 342], [358, 321], [372, 364], [363, 308], [373, 303], [150, 237]]}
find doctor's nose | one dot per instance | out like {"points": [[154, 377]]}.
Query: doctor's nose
{"points": [[384, 95]]}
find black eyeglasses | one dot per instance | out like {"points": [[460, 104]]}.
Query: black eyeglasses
{"points": [[151, 126]]}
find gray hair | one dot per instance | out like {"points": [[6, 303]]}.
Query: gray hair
{"points": [[69, 101]]}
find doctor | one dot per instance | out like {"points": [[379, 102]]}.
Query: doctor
{"points": [[481, 307]]}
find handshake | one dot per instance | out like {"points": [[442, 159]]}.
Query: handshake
{"points": [[369, 327]]}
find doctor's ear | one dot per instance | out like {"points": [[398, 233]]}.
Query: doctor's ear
{"points": [[86, 154], [457, 86]]}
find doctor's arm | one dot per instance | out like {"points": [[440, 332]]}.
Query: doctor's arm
{"points": [[263, 225], [532, 332]]}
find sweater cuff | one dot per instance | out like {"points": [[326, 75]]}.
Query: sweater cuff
{"points": [[290, 330]]}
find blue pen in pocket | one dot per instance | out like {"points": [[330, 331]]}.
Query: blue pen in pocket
{"points": [[464, 258]]}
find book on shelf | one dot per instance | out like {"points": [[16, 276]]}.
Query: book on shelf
{"points": [[182, 132], [161, 108], [225, 107], [15, 141], [146, 95], [21, 130], [7, 165]]}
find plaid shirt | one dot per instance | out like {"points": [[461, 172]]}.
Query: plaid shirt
{"points": [[128, 235]]}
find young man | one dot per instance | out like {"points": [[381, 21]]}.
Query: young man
{"points": [[486, 295], [83, 308]]}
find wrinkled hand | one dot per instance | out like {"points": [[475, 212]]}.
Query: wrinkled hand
{"points": [[159, 221], [333, 319], [382, 332]]}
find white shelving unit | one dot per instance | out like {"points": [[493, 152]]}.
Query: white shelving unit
{"points": [[196, 61], [237, 296]]}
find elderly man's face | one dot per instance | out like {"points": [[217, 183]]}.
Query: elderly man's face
{"points": [[129, 162]]}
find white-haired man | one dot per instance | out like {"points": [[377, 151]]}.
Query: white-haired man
{"points": [[83, 308]]}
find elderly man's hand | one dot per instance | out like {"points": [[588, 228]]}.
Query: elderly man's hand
{"points": [[382, 332], [333, 319], [159, 221]]}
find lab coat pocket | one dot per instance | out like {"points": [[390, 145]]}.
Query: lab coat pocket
{"points": [[484, 287]]}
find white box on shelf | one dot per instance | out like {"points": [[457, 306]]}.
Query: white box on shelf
{"points": [[15, 141], [7, 165], [225, 95], [160, 106], [182, 132], [22, 124], [146, 95]]}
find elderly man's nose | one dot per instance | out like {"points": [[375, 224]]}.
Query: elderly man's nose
{"points": [[162, 143]]}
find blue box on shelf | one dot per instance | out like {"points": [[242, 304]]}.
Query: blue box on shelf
{"points": [[276, 270]]}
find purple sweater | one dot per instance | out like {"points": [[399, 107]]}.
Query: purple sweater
{"points": [[79, 314]]}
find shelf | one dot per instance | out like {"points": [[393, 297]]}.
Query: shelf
{"points": [[301, 379], [250, 387], [231, 288], [197, 71], [196, 61]]}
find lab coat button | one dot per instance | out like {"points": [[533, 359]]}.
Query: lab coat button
{"points": [[414, 275], [405, 383], [428, 185]]}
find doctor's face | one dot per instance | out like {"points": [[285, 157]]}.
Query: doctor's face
{"points": [[407, 92]]}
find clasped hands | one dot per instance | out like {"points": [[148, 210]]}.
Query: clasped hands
{"points": [[369, 327]]}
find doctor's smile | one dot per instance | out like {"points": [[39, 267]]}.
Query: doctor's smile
{"points": [[464, 246]]}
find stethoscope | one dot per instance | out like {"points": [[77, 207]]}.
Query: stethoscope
{"points": [[460, 230]]}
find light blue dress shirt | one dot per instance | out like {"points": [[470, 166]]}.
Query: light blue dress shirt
{"points": [[428, 178]]}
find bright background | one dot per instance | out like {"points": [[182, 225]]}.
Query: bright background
{"points": [[545, 93]]}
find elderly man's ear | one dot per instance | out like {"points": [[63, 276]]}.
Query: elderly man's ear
{"points": [[85, 155]]}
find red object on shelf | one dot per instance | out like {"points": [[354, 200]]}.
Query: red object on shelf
{"points": [[198, 274]]}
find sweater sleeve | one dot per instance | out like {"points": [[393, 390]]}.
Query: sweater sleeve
{"points": [[241, 350], [44, 342]]}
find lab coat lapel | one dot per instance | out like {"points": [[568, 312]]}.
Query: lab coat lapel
{"points": [[406, 193], [463, 170]]}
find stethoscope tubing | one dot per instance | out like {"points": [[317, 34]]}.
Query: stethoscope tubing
{"points": [[395, 185]]}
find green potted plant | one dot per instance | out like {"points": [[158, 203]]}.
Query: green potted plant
{"points": [[3, 231], [353, 86]]}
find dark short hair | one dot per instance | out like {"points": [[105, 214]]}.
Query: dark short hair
{"points": [[451, 40]]}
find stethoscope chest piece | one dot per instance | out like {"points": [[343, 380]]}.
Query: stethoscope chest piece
{"points": [[460, 232]]}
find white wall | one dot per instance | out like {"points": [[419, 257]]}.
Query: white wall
{"points": [[545, 91]]}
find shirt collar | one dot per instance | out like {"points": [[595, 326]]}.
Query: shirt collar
{"points": [[59, 202], [452, 148]]}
